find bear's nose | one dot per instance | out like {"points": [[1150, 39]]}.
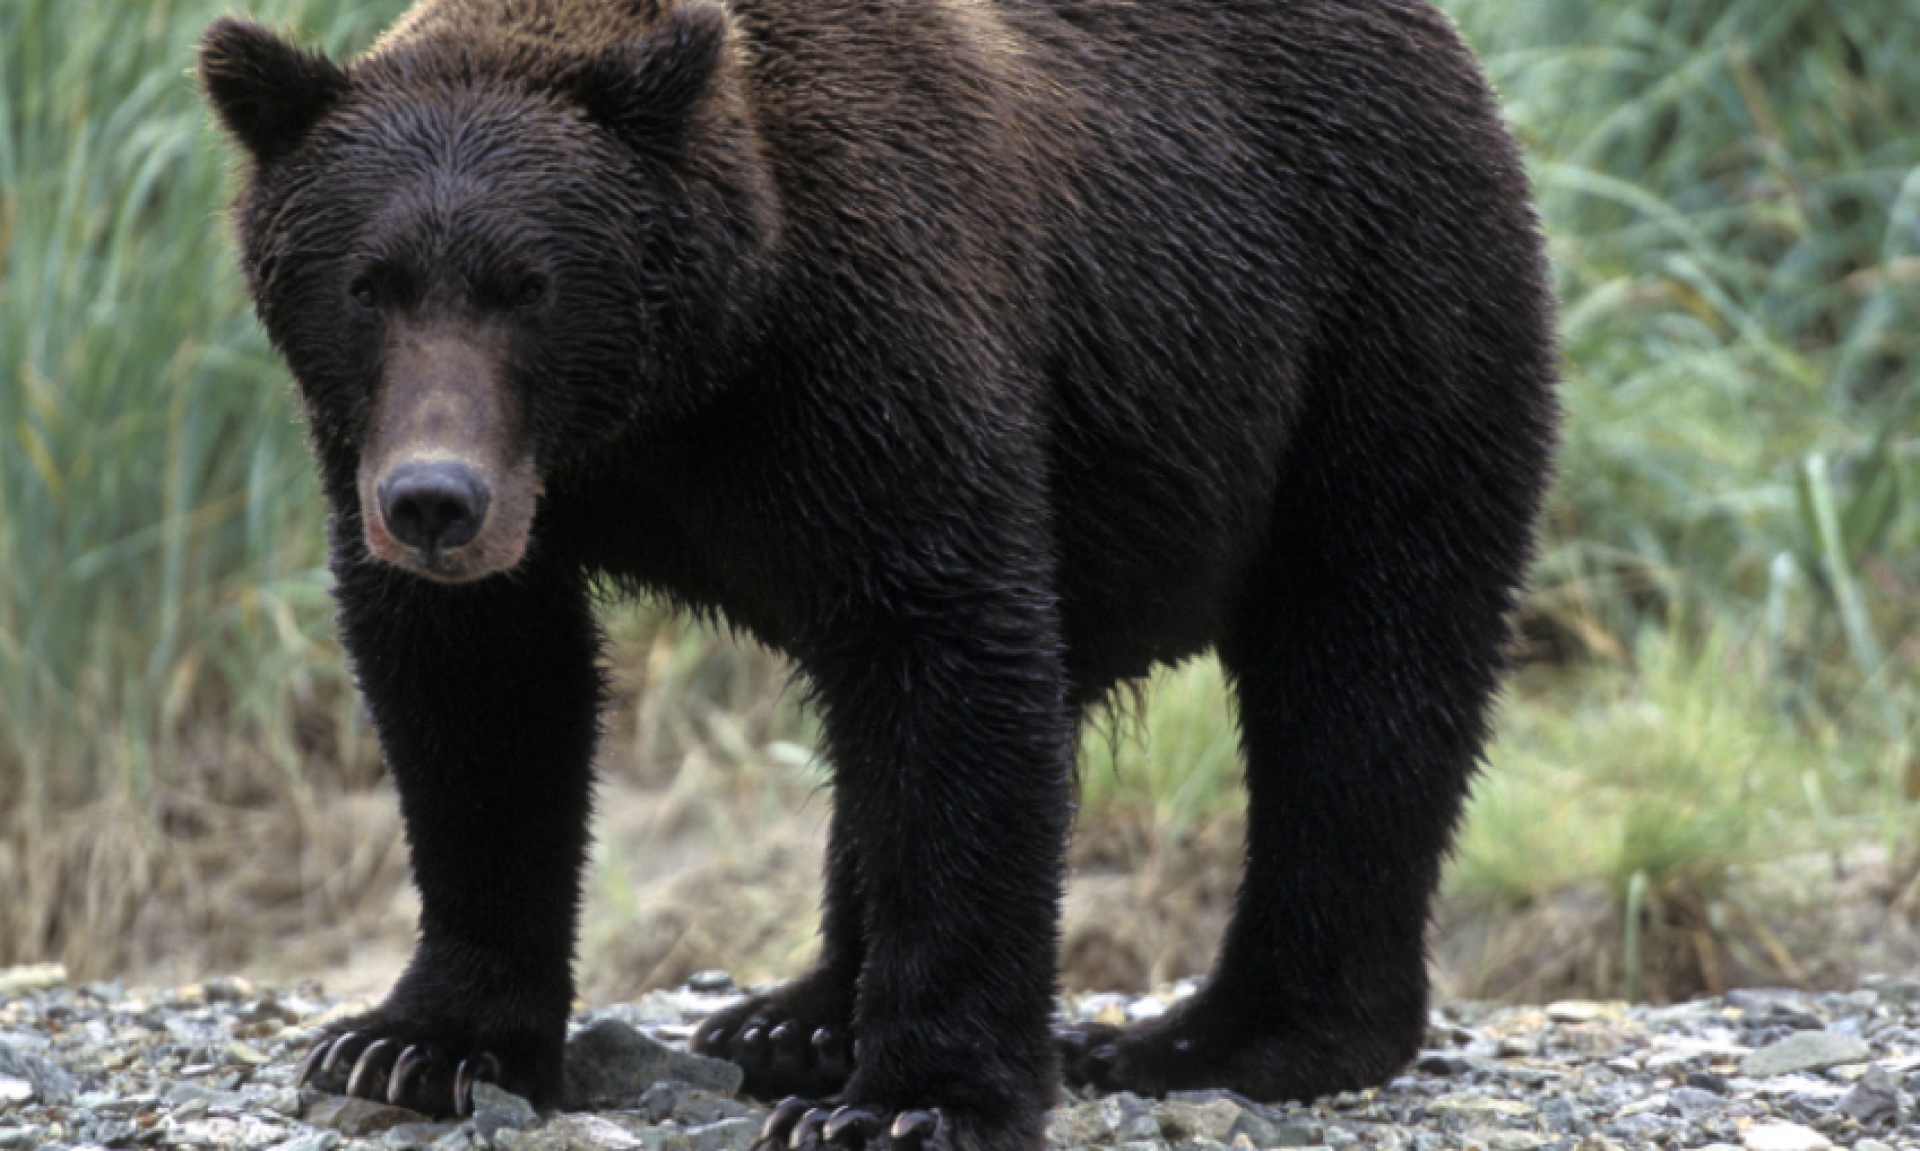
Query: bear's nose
{"points": [[434, 505]]}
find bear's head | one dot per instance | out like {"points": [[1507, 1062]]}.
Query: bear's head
{"points": [[487, 260]]}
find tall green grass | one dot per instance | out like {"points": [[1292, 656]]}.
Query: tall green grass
{"points": [[160, 574], [1732, 190]]}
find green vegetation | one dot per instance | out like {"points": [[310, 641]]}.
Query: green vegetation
{"points": [[164, 635], [1724, 664]]}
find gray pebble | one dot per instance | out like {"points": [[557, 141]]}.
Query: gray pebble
{"points": [[1874, 1099], [1805, 1051]]}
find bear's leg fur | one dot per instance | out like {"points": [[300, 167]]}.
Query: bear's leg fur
{"points": [[797, 1040], [1364, 656], [951, 739], [484, 696]]}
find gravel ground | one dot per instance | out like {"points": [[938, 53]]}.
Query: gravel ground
{"points": [[211, 1065]]}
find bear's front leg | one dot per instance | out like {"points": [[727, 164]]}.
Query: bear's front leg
{"points": [[484, 696], [950, 735]]}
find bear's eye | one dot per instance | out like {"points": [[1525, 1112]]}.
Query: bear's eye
{"points": [[531, 291], [362, 292]]}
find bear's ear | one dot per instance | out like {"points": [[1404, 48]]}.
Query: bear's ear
{"points": [[267, 92], [645, 92]]}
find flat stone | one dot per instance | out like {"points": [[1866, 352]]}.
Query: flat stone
{"points": [[592, 1133], [1584, 1011], [31, 977], [1445, 1064], [1477, 1108], [416, 1134], [726, 1135], [1805, 1051], [611, 1064], [1180, 1121], [358, 1118], [509, 1139], [692, 1107], [1783, 1137]]}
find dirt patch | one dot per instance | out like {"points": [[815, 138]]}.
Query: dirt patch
{"points": [[682, 881]]}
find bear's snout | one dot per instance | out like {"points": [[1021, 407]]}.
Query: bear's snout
{"points": [[434, 505], [448, 483]]}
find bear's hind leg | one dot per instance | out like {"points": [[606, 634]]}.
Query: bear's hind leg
{"points": [[1365, 655], [797, 1039]]}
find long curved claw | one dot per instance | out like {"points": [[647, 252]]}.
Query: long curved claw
{"points": [[339, 1049], [314, 1058], [403, 1069], [915, 1128], [845, 1120], [780, 1123], [363, 1067], [807, 1132], [463, 1089]]}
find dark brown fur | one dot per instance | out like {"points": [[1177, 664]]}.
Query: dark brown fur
{"points": [[979, 354]]}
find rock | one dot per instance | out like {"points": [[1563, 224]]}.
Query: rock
{"points": [[726, 1135], [1874, 1099], [1805, 1051], [357, 1118], [1078, 1126], [31, 977], [592, 1133], [710, 982], [1181, 1120], [1583, 1011], [692, 1107], [1708, 1081], [496, 1110], [1783, 1137], [1477, 1108], [417, 1134], [311, 1141], [611, 1064], [1445, 1064], [509, 1139], [1692, 1102], [1147, 1007], [47, 1079]]}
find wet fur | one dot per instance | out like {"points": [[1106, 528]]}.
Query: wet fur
{"points": [[979, 356]]}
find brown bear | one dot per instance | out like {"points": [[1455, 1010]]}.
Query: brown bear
{"points": [[980, 355]]}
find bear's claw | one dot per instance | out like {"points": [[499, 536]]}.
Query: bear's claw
{"points": [[401, 1083], [797, 1125]]}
